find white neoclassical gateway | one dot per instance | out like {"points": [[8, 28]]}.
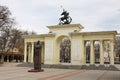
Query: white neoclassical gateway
{"points": [[67, 44]]}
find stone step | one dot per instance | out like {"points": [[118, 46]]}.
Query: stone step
{"points": [[61, 66]]}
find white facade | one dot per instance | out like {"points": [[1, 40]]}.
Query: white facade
{"points": [[78, 53]]}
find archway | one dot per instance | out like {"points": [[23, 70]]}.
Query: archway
{"points": [[64, 49]]}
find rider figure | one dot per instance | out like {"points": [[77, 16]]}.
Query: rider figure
{"points": [[66, 19], [65, 13]]}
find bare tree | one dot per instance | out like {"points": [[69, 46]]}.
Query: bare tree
{"points": [[15, 37], [10, 37], [17, 40], [6, 24], [28, 33]]}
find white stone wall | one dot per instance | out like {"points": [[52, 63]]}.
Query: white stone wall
{"points": [[49, 50], [76, 50]]}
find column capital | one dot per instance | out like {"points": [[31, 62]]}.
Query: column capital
{"points": [[91, 40], [25, 42], [84, 42], [32, 42], [111, 40], [101, 40]]}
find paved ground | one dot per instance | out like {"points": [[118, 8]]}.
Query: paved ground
{"points": [[11, 72]]}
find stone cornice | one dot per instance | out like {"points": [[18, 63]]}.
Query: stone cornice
{"points": [[66, 26], [39, 36], [94, 33]]}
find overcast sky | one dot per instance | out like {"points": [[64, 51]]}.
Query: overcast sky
{"points": [[93, 15]]}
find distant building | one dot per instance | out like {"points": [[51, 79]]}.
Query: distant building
{"points": [[13, 56]]}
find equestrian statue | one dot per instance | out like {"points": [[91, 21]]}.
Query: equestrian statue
{"points": [[65, 19]]}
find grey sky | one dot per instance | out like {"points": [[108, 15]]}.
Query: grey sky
{"points": [[94, 15]]}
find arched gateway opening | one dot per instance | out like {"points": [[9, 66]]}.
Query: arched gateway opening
{"points": [[64, 49]]}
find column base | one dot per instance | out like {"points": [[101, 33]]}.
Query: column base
{"points": [[92, 66], [102, 67], [75, 62], [89, 67], [113, 67]]}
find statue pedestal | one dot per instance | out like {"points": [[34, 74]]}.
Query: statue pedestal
{"points": [[37, 59], [33, 70]]}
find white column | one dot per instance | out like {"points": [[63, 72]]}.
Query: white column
{"points": [[42, 54], [32, 51], [92, 55], [25, 51], [111, 52], [84, 53], [101, 53], [29, 53]]}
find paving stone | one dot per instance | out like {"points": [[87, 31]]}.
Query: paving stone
{"points": [[13, 72]]}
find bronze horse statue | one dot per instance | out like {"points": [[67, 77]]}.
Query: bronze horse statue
{"points": [[66, 19]]}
